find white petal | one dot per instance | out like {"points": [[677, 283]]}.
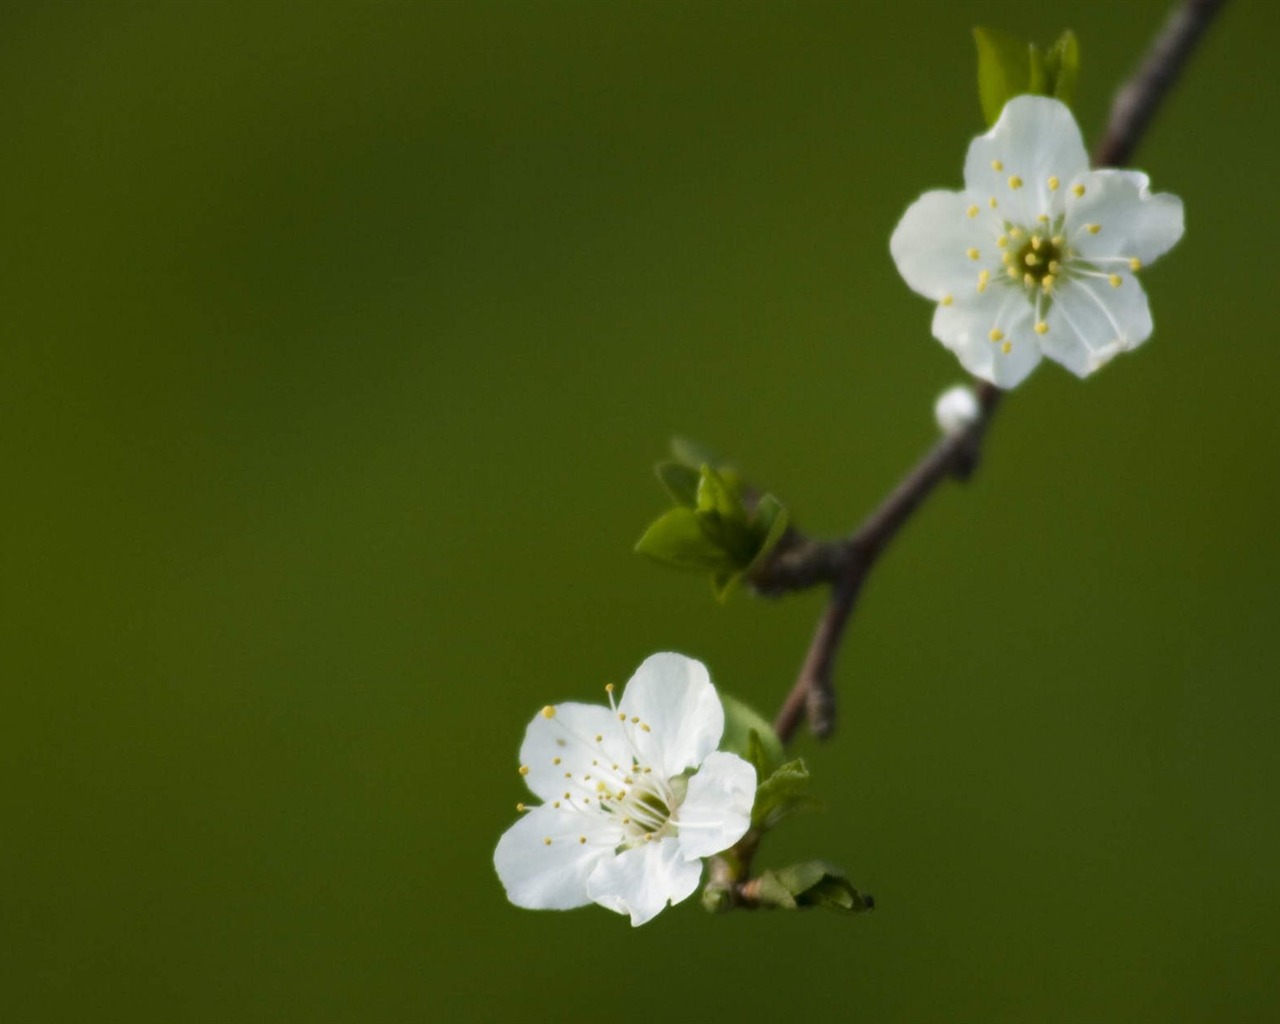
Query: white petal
{"points": [[643, 880], [1035, 139], [554, 877], [1133, 222], [931, 243], [965, 327], [570, 735], [1091, 322], [716, 812], [673, 696]]}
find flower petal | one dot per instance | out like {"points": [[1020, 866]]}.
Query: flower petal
{"points": [[565, 744], [673, 696], [1036, 139], [1091, 322], [716, 812], [965, 327], [542, 876], [1132, 222], [931, 244], [643, 880]]}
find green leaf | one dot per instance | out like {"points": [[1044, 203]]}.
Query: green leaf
{"points": [[717, 494], [724, 519], [1005, 69], [770, 521], [1062, 66], [681, 482], [692, 454], [747, 734], [771, 893], [723, 584], [679, 538], [783, 794], [817, 883]]}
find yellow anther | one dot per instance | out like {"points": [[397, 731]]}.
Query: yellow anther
{"points": [[608, 687], [1015, 182], [1078, 190], [555, 760], [1054, 266], [547, 841], [1058, 241], [635, 719], [648, 837], [992, 202], [621, 717], [996, 334], [1054, 183], [566, 795], [556, 804], [1012, 271], [1029, 280], [1008, 259], [1093, 229], [1031, 259], [1007, 347], [946, 300], [1114, 280], [972, 211], [548, 712], [648, 770], [1042, 328], [1002, 241], [1043, 218], [524, 769], [586, 778], [521, 808], [568, 775], [599, 738], [983, 278], [1047, 283], [601, 787], [1015, 232], [582, 840], [1135, 264], [626, 821], [973, 254], [996, 165], [622, 794], [1035, 242]]}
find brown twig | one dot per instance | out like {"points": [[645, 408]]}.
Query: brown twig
{"points": [[801, 562]]}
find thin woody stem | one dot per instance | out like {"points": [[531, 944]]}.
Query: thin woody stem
{"points": [[802, 562]]}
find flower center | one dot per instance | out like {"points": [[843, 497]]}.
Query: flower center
{"points": [[1035, 258]]}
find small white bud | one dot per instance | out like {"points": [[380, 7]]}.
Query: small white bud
{"points": [[956, 409]]}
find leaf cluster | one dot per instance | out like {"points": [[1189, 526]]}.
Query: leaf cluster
{"points": [[1009, 67], [712, 529]]}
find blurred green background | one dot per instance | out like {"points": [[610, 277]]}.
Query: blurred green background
{"points": [[339, 340]]}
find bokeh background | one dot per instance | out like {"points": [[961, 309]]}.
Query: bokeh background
{"points": [[338, 343]]}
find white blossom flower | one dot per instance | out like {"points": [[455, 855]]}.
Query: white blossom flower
{"points": [[634, 795], [1038, 255], [956, 409]]}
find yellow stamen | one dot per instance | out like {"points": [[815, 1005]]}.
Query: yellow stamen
{"points": [[547, 841], [1078, 190], [1093, 229], [1054, 183], [1114, 280], [1007, 347], [555, 760], [1015, 182], [983, 278], [996, 334], [548, 712], [1042, 328], [1135, 264], [973, 254], [1031, 259], [992, 202], [946, 300], [972, 211], [996, 165], [524, 769], [1002, 241]]}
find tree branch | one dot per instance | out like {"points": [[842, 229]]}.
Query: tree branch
{"points": [[801, 562]]}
